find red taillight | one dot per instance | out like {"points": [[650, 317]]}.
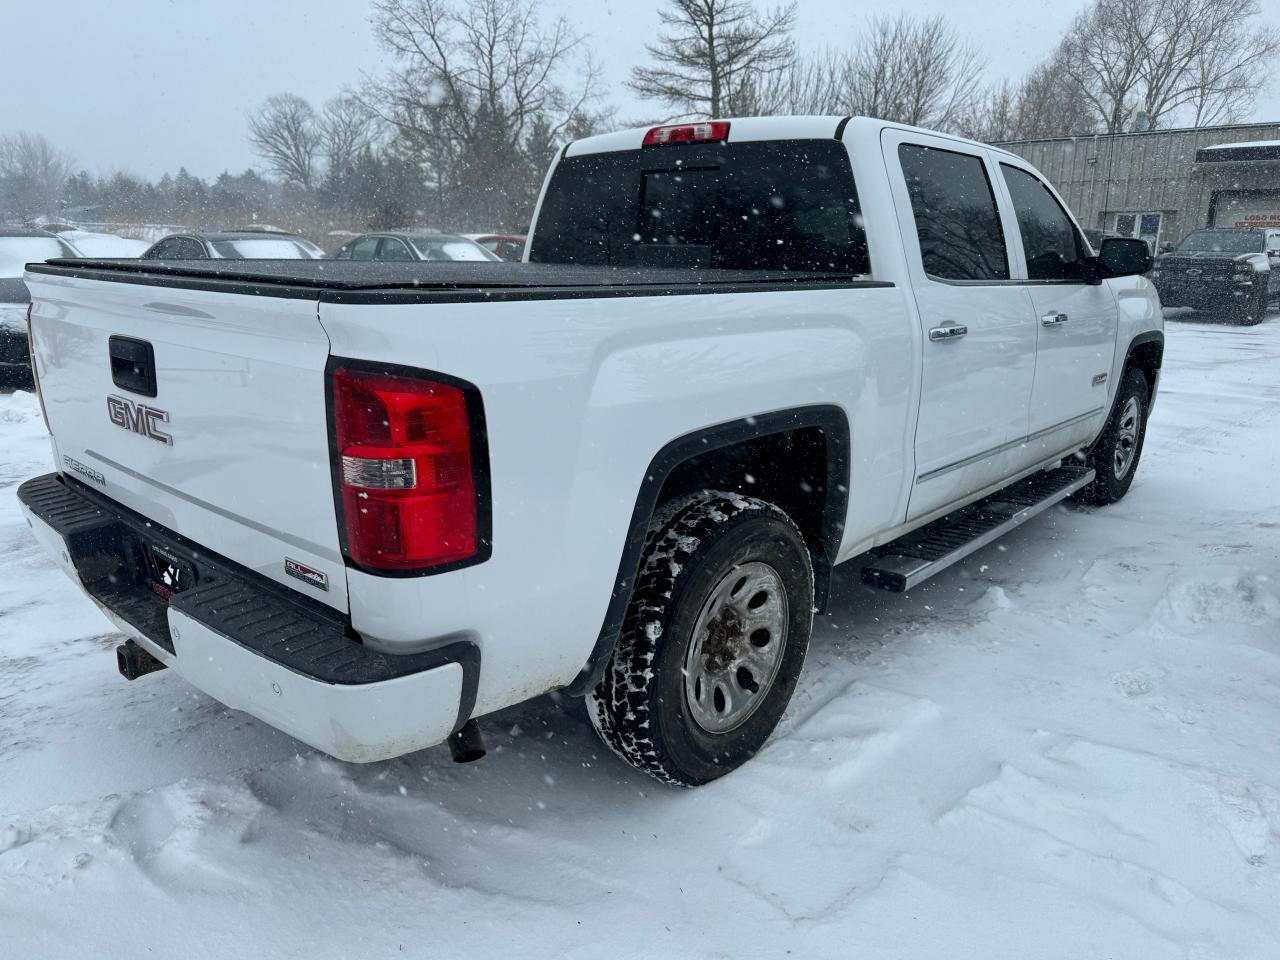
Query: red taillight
{"points": [[35, 372], [687, 133], [406, 470]]}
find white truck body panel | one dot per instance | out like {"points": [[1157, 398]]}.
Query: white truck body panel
{"points": [[577, 404], [580, 394]]}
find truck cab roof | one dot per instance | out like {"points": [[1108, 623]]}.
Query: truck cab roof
{"points": [[744, 129]]}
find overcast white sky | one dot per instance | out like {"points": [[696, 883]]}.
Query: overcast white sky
{"points": [[150, 85]]}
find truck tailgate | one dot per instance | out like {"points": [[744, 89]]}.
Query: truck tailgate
{"points": [[231, 451]]}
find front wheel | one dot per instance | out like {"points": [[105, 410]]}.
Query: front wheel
{"points": [[1255, 311], [1115, 456], [713, 641]]}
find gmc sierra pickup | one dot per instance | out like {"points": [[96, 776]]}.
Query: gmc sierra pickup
{"points": [[368, 503]]}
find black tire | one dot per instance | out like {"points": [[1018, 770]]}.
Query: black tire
{"points": [[695, 545], [1110, 483], [1254, 311], [1257, 312]]}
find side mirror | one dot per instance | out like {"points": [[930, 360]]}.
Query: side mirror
{"points": [[1124, 257]]}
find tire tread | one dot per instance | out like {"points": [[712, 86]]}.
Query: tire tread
{"points": [[620, 704]]}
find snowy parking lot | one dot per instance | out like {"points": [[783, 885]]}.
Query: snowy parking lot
{"points": [[1067, 746]]}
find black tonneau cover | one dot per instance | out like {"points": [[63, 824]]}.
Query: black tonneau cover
{"points": [[352, 281]]}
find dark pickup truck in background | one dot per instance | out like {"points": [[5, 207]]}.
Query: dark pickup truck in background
{"points": [[1234, 274]]}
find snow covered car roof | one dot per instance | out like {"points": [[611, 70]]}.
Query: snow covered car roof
{"points": [[1250, 145]]}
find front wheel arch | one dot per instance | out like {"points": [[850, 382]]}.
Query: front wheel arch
{"points": [[1146, 353]]}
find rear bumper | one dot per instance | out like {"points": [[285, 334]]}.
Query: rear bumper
{"points": [[249, 643]]}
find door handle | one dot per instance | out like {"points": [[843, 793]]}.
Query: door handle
{"points": [[133, 364], [1054, 318], [948, 331]]}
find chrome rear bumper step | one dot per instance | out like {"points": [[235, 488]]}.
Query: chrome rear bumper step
{"points": [[910, 560]]}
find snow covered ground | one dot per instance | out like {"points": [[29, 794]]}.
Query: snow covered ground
{"points": [[1066, 747]]}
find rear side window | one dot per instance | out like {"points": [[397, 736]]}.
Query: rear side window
{"points": [[454, 248], [393, 249], [957, 222], [1049, 238], [366, 248], [771, 205], [266, 249], [177, 248]]}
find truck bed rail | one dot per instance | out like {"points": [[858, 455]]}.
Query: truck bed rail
{"points": [[349, 281]]}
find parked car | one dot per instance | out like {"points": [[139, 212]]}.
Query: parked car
{"points": [[404, 247], [506, 246], [18, 247], [104, 245], [233, 245], [1232, 273], [740, 353]]}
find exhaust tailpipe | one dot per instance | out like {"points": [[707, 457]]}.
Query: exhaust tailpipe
{"points": [[466, 744], [134, 661]]}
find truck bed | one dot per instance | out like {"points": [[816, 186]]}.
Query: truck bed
{"points": [[349, 281]]}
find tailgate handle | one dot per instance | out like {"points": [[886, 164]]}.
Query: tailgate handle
{"points": [[133, 365]]}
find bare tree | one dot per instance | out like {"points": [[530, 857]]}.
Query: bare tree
{"points": [[1102, 55], [715, 56], [1199, 59], [1044, 103], [347, 129], [811, 84], [286, 134], [916, 71], [905, 69], [1212, 59], [32, 174], [473, 81]]}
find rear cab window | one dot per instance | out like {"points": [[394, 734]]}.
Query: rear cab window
{"points": [[956, 217], [758, 205]]}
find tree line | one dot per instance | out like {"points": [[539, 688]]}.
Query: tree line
{"points": [[477, 96]]}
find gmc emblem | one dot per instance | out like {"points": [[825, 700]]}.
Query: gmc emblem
{"points": [[138, 418]]}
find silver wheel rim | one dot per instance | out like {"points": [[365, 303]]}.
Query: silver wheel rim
{"points": [[1127, 436], [737, 646]]}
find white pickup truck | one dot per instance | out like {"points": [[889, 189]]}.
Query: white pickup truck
{"points": [[370, 502]]}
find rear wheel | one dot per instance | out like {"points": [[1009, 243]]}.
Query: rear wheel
{"points": [[713, 641], [1115, 456]]}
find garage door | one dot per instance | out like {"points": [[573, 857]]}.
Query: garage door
{"points": [[1246, 208]]}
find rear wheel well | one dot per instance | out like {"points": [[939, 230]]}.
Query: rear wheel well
{"points": [[797, 458], [791, 469]]}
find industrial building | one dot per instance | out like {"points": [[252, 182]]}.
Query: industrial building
{"points": [[1162, 184]]}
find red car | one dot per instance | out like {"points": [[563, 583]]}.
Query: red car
{"points": [[508, 246]]}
